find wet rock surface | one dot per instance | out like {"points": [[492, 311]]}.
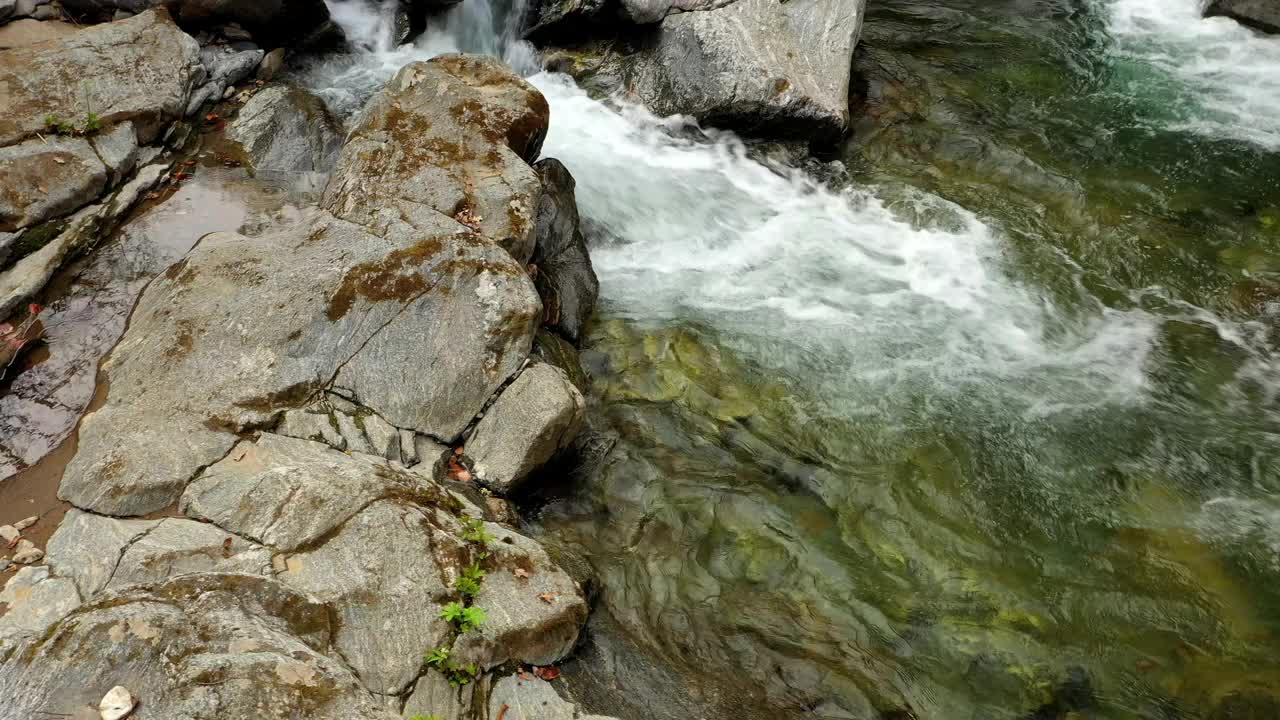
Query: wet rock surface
{"points": [[285, 129], [305, 570]]}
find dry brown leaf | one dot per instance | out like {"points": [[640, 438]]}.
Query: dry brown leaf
{"points": [[547, 598], [520, 573], [226, 548]]}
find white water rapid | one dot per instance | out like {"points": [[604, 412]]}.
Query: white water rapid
{"points": [[859, 286], [1220, 79]]}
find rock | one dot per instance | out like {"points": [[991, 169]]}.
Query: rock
{"points": [[553, 349], [314, 423], [408, 448], [455, 133], [117, 148], [522, 625], [412, 314], [273, 23], [207, 93], [21, 33], [384, 438], [206, 645], [434, 695], [33, 600], [228, 66], [26, 522], [563, 18], [7, 9], [117, 703], [271, 64], [428, 451], [146, 78], [43, 179], [101, 553], [565, 278], [535, 417], [285, 129], [531, 699], [1263, 15], [345, 302], [9, 534], [757, 66], [26, 553], [386, 573], [301, 490], [29, 273]]}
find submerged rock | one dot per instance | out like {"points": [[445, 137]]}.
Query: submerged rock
{"points": [[1261, 14]]}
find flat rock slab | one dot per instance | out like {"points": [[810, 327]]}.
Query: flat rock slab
{"points": [[100, 553], [202, 646], [33, 600], [287, 493], [758, 66], [141, 69]]}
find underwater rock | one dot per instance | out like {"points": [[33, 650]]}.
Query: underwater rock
{"points": [[565, 279]]}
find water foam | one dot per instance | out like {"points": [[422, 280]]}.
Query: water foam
{"points": [[1225, 77]]}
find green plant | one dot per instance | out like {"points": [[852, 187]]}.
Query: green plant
{"points": [[437, 658], [468, 584], [466, 618], [92, 123], [426, 717], [58, 126], [473, 531]]}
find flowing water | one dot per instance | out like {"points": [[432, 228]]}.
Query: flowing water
{"points": [[987, 428]]}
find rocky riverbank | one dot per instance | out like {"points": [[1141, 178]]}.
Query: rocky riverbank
{"points": [[285, 499]]}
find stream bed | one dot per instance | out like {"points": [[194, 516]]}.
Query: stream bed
{"points": [[982, 425]]}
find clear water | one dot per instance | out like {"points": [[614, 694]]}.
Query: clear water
{"points": [[989, 431]]}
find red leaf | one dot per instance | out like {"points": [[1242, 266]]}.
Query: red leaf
{"points": [[35, 308], [550, 672]]}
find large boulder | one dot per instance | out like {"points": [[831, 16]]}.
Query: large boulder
{"points": [[285, 129], [145, 77], [202, 646], [454, 135], [760, 67], [422, 323], [1261, 14]]}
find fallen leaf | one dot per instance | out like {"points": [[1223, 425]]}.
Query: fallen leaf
{"points": [[458, 450], [458, 471], [547, 598], [60, 161], [550, 672], [521, 573], [521, 673], [212, 117], [35, 308], [226, 548], [189, 163], [502, 711]]}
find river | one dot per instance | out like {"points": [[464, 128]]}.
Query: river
{"points": [[980, 422]]}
